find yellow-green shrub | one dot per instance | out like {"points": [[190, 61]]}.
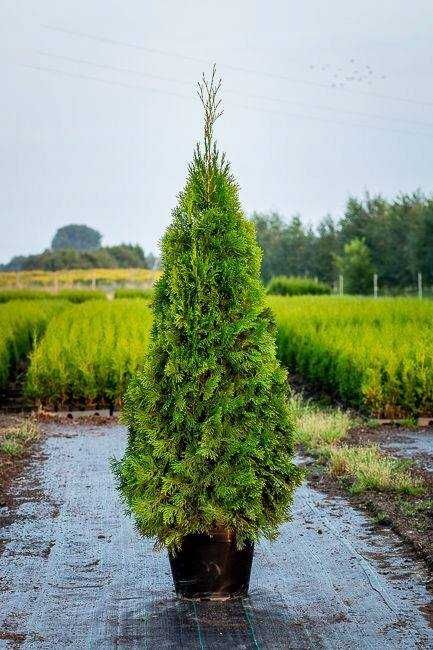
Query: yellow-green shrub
{"points": [[131, 292], [71, 295], [283, 285], [21, 324], [374, 354], [89, 353]]}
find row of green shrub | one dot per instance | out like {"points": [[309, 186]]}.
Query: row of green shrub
{"points": [[21, 326], [281, 285], [89, 352], [376, 355], [71, 295], [145, 294]]}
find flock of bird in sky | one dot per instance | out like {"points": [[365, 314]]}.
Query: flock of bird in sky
{"points": [[355, 73]]}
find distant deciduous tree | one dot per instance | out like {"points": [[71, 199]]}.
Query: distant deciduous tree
{"points": [[270, 232], [397, 234], [356, 267], [128, 256], [325, 246], [110, 257], [77, 237], [287, 247]]}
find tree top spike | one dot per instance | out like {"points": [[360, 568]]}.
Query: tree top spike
{"points": [[208, 90]]}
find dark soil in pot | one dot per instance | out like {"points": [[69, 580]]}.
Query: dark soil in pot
{"points": [[211, 567]]}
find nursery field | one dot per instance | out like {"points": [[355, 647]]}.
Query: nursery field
{"points": [[79, 277], [376, 355], [89, 352], [71, 295], [21, 326]]}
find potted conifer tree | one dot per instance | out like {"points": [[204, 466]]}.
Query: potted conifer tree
{"points": [[208, 466]]}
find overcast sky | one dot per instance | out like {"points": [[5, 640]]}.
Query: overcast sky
{"points": [[322, 100]]}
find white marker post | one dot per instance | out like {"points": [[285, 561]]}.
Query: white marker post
{"points": [[341, 284], [419, 285], [375, 285]]}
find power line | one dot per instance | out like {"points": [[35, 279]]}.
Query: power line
{"points": [[332, 121], [104, 66], [108, 82], [63, 73], [272, 75]]}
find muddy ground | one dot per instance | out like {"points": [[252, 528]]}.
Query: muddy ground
{"points": [[415, 443], [75, 574], [10, 466], [410, 516]]}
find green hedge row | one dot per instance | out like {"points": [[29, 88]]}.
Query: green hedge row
{"points": [[21, 326], [71, 295], [375, 354], [89, 352], [145, 294], [281, 285]]}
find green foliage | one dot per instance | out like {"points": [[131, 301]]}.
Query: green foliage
{"points": [[109, 257], [356, 267], [369, 469], [398, 235], [324, 249], [25, 294], [395, 233], [317, 430], [287, 246], [71, 295], [271, 233], [210, 433], [77, 237], [362, 467], [15, 440], [128, 256], [89, 353], [77, 296], [281, 285], [145, 294], [21, 324], [374, 354]]}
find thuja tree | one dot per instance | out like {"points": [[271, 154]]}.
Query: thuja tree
{"points": [[210, 434]]}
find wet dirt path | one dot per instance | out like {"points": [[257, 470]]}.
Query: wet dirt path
{"points": [[416, 444], [75, 574]]}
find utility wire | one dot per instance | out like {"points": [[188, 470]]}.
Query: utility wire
{"points": [[63, 73], [104, 66], [264, 73], [75, 75]]}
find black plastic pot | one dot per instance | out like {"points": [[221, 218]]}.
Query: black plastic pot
{"points": [[211, 567]]}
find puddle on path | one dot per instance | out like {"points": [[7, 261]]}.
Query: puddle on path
{"points": [[413, 444], [416, 444], [75, 574]]}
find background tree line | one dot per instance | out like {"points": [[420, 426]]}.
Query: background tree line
{"points": [[79, 247], [391, 238]]}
